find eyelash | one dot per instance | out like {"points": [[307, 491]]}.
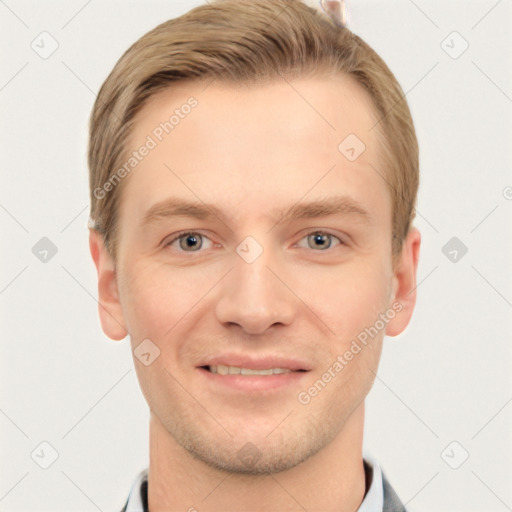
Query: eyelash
{"points": [[182, 234]]}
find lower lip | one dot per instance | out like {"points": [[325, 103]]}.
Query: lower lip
{"points": [[254, 382]]}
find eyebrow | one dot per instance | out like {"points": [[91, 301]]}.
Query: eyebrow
{"points": [[333, 205]]}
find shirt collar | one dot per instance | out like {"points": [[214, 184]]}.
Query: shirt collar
{"points": [[138, 493], [374, 498], [372, 502]]}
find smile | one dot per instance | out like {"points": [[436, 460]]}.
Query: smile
{"points": [[236, 370]]}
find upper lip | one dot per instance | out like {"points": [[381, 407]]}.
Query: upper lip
{"points": [[256, 363]]}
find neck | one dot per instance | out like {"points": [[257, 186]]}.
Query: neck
{"points": [[331, 480]]}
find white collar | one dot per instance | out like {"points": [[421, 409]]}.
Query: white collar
{"points": [[373, 501], [135, 498]]}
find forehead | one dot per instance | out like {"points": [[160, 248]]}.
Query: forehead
{"points": [[328, 107], [255, 146]]}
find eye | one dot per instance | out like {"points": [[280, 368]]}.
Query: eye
{"points": [[192, 241], [189, 241], [320, 240]]}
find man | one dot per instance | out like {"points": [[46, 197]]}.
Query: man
{"points": [[253, 174]]}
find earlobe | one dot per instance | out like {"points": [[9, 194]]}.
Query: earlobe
{"points": [[109, 305], [404, 283]]}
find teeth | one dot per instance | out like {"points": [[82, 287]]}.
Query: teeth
{"points": [[235, 370], [246, 371]]}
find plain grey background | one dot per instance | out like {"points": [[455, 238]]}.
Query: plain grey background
{"points": [[444, 387]]}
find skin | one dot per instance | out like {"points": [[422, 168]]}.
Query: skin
{"points": [[254, 151]]}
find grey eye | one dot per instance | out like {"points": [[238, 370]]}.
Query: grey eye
{"points": [[320, 240], [192, 241]]}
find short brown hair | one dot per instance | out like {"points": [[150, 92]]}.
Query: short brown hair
{"points": [[247, 41]]}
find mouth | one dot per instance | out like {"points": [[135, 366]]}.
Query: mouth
{"points": [[222, 369], [242, 373]]}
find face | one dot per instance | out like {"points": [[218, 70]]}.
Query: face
{"points": [[251, 241]]}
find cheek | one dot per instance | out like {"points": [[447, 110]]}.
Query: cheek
{"points": [[351, 299], [152, 302], [158, 300]]}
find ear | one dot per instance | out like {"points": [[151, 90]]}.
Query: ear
{"points": [[404, 283], [109, 306]]}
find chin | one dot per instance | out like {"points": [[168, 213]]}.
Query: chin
{"points": [[252, 460], [259, 454]]}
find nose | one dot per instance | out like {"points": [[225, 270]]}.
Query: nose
{"points": [[256, 295]]}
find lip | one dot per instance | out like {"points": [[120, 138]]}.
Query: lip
{"points": [[254, 383], [257, 363]]}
